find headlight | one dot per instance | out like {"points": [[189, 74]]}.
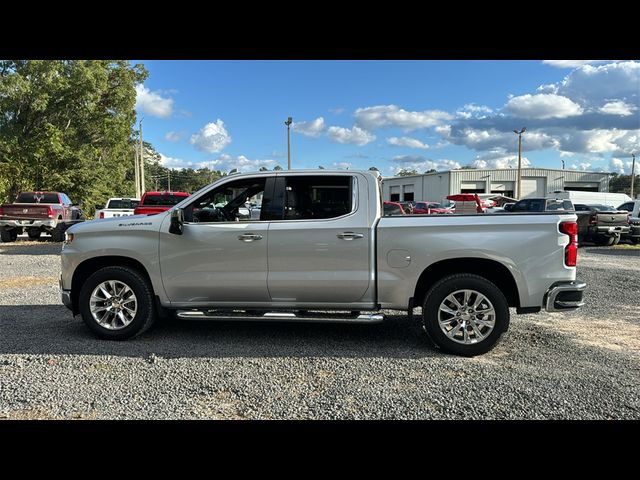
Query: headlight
{"points": [[68, 238]]}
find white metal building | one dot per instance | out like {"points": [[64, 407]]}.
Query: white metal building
{"points": [[536, 182]]}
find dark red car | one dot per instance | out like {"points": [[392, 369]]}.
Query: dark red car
{"points": [[429, 208], [158, 202], [392, 208]]}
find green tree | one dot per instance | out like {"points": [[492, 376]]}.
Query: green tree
{"points": [[622, 184], [406, 172], [431, 170], [468, 167], [65, 125]]}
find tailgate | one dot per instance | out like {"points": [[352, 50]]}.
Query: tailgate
{"points": [[26, 211], [612, 219]]}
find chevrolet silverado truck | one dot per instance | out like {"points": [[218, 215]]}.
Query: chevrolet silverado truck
{"points": [[321, 251], [38, 212], [601, 224], [117, 207]]}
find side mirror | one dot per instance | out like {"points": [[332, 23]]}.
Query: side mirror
{"points": [[177, 219]]}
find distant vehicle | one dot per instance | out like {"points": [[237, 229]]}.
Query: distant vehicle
{"points": [[542, 205], [467, 203], [633, 207], [508, 207], [38, 212], [393, 208], [157, 202], [429, 208], [117, 207], [601, 224], [594, 198], [408, 206]]}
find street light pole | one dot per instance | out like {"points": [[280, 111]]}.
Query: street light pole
{"points": [[288, 124], [519, 133], [633, 171]]}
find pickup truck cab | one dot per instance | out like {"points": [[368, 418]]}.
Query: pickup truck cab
{"points": [[117, 207], [633, 208], [38, 212], [322, 250], [601, 224], [158, 202]]}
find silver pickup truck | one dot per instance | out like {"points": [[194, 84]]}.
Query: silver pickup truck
{"points": [[320, 251]]}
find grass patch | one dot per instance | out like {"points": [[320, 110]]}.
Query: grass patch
{"points": [[627, 247]]}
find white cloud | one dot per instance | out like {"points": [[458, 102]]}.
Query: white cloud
{"points": [[569, 63], [173, 136], [179, 164], [407, 142], [313, 128], [499, 159], [422, 164], [599, 141], [471, 110], [152, 103], [336, 111], [618, 108], [212, 138], [342, 165], [542, 106], [594, 86], [394, 116], [621, 166], [226, 162], [355, 135]]}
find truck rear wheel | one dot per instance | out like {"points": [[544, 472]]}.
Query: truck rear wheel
{"points": [[117, 303], [606, 241], [465, 314], [8, 235]]}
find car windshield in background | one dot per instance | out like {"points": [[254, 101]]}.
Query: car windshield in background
{"points": [[125, 203], [601, 208], [162, 200], [31, 197], [559, 205]]}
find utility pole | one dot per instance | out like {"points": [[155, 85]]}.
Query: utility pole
{"points": [[519, 133], [288, 124], [633, 172], [169, 180], [136, 172], [142, 185], [562, 163]]}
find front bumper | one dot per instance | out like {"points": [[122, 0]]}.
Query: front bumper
{"points": [[27, 223], [564, 296], [65, 296]]}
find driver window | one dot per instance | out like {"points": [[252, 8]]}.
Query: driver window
{"points": [[238, 201]]}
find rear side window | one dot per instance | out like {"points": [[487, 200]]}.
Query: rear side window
{"points": [[626, 206], [161, 200], [553, 205], [33, 197], [318, 197], [124, 203]]}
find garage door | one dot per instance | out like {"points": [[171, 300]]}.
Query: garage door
{"points": [[534, 187]]}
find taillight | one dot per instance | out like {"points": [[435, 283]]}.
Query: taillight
{"points": [[50, 211], [571, 250], [593, 219], [101, 214]]}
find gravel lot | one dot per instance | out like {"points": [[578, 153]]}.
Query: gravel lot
{"points": [[584, 365]]}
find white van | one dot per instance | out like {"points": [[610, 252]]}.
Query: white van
{"points": [[591, 198]]}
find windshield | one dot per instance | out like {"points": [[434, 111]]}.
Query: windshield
{"points": [[123, 203], [162, 200], [33, 197]]}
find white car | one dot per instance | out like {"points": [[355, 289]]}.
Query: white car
{"points": [[117, 207]]}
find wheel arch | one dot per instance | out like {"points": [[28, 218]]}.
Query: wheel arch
{"points": [[492, 270], [92, 265]]}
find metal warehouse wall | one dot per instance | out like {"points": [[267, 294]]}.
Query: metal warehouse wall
{"points": [[436, 186]]}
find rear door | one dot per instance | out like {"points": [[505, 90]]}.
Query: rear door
{"points": [[320, 250]]}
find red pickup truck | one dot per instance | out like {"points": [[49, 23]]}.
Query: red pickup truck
{"points": [[38, 212], [157, 202]]}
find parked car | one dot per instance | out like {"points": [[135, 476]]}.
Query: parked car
{"points": [[408, 206], [633, 208], [601, 224], [428, 208], [321, 247], [38, 212], [157, 202], [542, 205], [393, 208], [117, 207]]}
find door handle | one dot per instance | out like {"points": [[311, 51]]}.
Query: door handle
{"points": [[249, 237], [349, 235]]}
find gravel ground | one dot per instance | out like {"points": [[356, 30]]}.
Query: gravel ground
{"points": [[583, 365]]}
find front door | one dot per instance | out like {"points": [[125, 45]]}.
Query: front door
{"points": [[221, 257]]}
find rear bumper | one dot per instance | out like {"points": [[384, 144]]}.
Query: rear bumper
{"points": [[28, 223], [564, 296], [610, 231]]}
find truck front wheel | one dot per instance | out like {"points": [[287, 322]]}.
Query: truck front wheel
{"points": [[465, 314], [8, 235], [116, 303]]}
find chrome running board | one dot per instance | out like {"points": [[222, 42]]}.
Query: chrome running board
{"points": [[304, 316]]}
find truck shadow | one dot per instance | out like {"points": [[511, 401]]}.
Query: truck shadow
{"points": [[50, 330], [29, 247], [630, 252]]}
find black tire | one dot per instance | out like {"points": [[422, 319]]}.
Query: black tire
{"points": [[34, 233], [57, 234], [464, 281], [145, 314], [616, 240], [605, 241], [635, 240], [8, 235]]}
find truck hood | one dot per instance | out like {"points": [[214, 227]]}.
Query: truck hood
{"points": [[120, 224]]}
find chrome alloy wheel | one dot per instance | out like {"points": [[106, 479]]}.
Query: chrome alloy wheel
{"points": [[113, 304], [466, 316]]}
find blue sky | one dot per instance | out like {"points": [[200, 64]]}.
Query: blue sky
{"points": [[392, 114]]}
